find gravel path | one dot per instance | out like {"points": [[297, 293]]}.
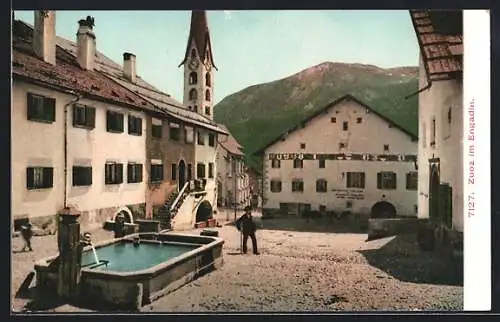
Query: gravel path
{"points": [[298, 271]]}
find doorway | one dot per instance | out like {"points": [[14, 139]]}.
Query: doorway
{"points": [[434, 181], [182, 174]]}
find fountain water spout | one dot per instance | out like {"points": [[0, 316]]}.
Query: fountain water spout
{"points": [[87, 240]]}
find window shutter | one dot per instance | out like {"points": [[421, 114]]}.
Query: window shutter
{"points": [[120, 122], [75, 112], [30, 106], [348, 180], [30, 176], [49, 108], [74, 176], [139, 172], [119, 169], [408, 178], [109, 120], [362, 180], [129, 172], [139, 126], [89, 176], [394, 180], [107, 173], [90, 117], [48, 177], [379, 180], [131, 127]]}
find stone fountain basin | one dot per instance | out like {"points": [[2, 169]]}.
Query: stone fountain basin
{"points": [[137, 288]]}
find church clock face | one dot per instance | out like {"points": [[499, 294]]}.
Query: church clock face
{"points": [[193, 64]]}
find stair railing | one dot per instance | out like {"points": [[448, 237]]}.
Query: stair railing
{"points": [[179, 196]]}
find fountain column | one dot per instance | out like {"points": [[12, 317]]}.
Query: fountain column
{"points": [[70, 254]]}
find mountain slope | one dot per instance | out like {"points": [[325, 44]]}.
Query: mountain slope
{"points": [[260, 113]]}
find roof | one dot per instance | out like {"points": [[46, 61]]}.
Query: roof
{"points": [[326, 108], [440, 37], [66, 75], [109, 72], [230, 144], [200, 33]]}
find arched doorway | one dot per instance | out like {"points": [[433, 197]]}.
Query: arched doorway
{"points": [[182, 174], [434, 190], [204, 211], [383, 209], [126, 213]]}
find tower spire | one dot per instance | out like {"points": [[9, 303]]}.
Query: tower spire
{"points": [[200, 35]]}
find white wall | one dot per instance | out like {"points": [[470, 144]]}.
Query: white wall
{"points": [[206, 154], [98, 146], [322, 136], [434, 103], [36, 144]]}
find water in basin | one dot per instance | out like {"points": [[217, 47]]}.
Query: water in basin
{"points": [[125, 257]]}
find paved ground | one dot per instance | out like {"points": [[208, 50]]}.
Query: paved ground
{"points": [[298, 270]]}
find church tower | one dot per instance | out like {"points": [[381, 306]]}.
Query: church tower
{"points": [[199, 67]]}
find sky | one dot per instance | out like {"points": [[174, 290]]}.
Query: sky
{"points": [[249, 47]]}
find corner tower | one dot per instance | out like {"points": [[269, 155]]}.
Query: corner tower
{"points": [[199, 67]]}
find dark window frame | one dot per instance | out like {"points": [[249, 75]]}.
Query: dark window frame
{"points": [[201, 170], [207, 95], [156, 173], [275, 184], [211, 139], [386, 147], [134, 125], [113, 173], [200, 137], [297, 185], [173, 172], [82, 176], [156, 130], [134, 172], [412, 180], [193, 78], [352, 181], [193, 94], [321, 185], [39, 178], [40, 108], [174, 133], [275, 163], [210, 170], [84, 116], [386, 180], [114, 122], [298, 164], [345, 126], [321, 163], [207, 110]]}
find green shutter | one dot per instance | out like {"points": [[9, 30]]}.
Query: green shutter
{"points": [[362, 180], [379, 180], [48, 177], [89, 176], [30, 176], [139, 126], [30, 111], [90, 114], [394, 180], [139, 172], [49, 108], [74, 176], [129, 172], [120, 118], [119, 169], [75, 111], [109, 118], [348, 180]]}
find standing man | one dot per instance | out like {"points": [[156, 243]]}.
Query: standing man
{"points": [[27, 234], [247, 226]]}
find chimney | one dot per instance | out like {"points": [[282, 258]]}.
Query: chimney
{"points": [[44, 35], [129, 68], [86, 43]]}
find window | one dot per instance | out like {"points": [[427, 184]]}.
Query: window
{"points": [[113, 173], [174, 172], [275, 186], [333, 120], [321, 185], [207, 110], [156, 131], [156, 173], [322, 208], [321, 163], [193, 95], [386, 147], [386, 180], [359, 120], [275, 163], [302, 145], [433, 132], [211, 139], [83, 116], [342, 145], [134, 125], [355, 180], [82, 176], [207, 95], [210, 170], [412, 180], [208, 80], [114, 122], [193, 78], [190, 171], [201, 138], [298, 163], [39, 177], [134, 172], [200, 170], [297, 185], [345, 126], [174, 132], [41, 109]]}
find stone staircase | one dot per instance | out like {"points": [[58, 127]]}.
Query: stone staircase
{"points": [[171, 207]]}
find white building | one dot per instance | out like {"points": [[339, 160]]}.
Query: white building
{"points": [[233, 182], [77, 137], [346, 157], [439, 34]]}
